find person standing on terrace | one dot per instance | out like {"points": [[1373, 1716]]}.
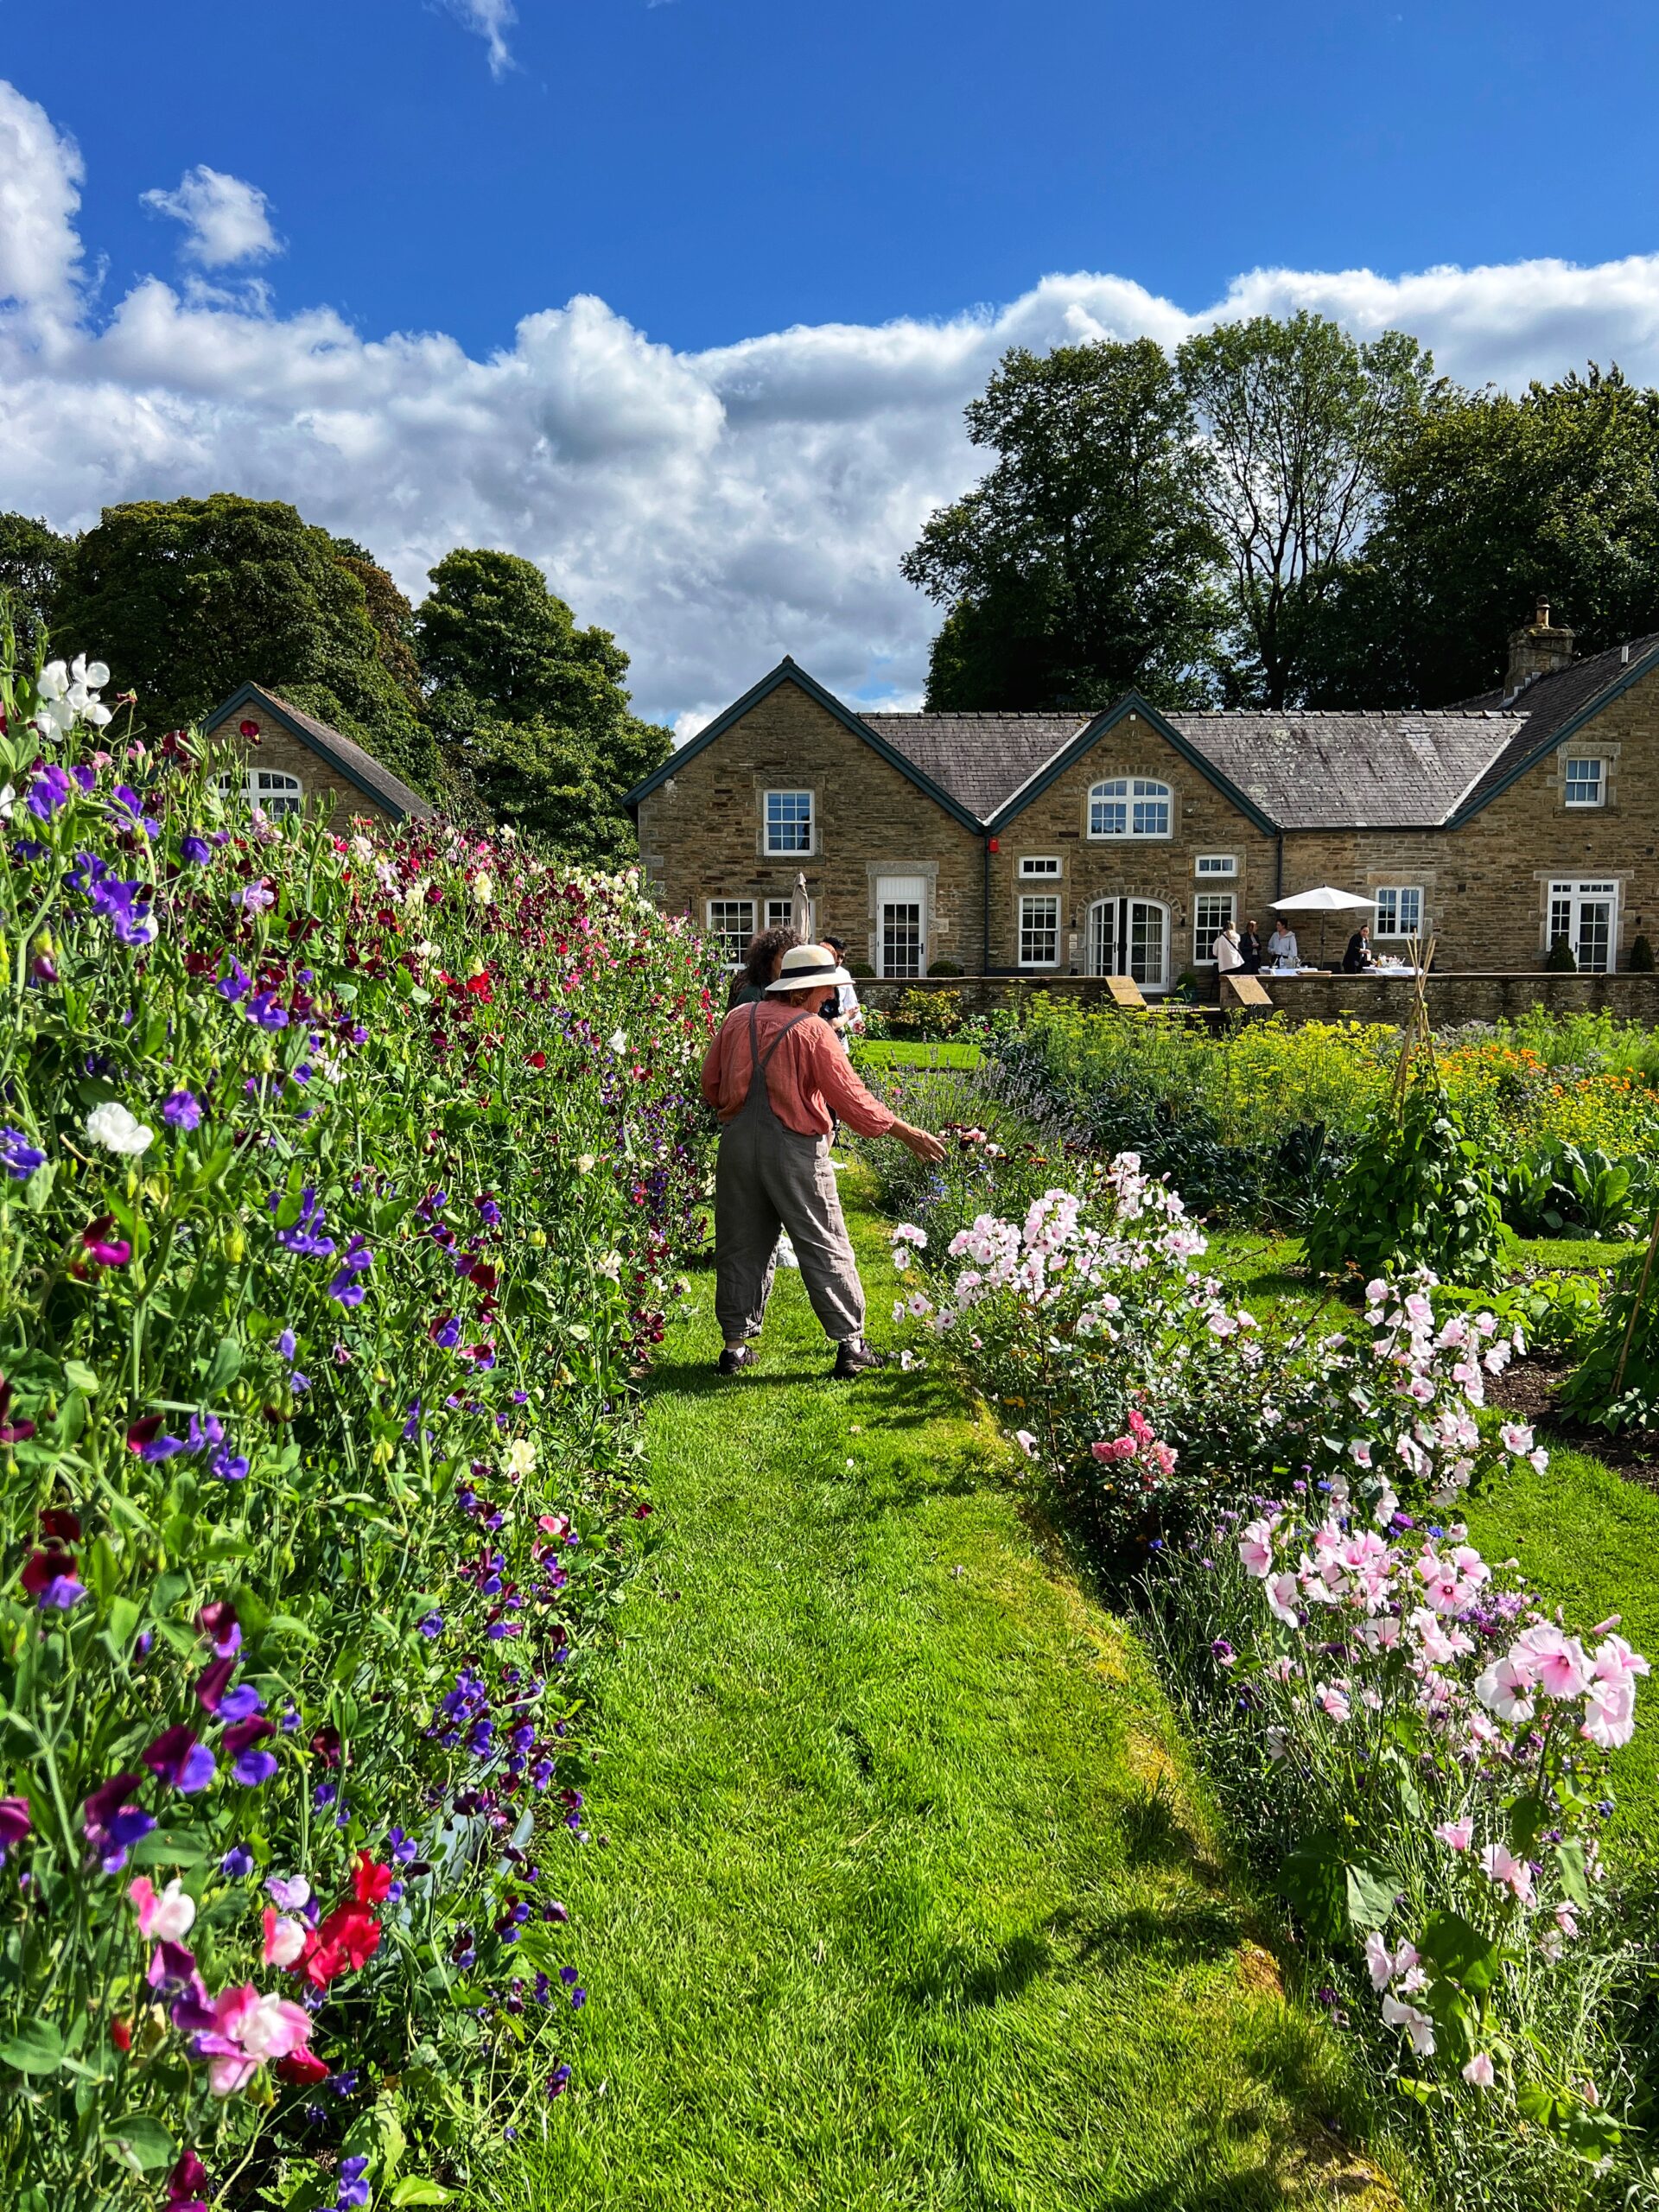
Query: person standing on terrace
{"points": [[773, 1168]]}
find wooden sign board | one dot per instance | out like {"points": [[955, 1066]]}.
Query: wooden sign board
{"points": [[1244, 990]]}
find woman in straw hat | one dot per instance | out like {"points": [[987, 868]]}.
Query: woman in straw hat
{"points": [[777, 1078]]}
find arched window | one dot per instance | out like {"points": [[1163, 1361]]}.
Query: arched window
{"points": [[1130, 937], [1130, 806], [272, 791]]}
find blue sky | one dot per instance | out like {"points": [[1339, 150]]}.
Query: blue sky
{"points": [[685, 300], [714, 167]]}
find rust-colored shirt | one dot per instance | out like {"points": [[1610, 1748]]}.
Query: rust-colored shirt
{"points": [[809, 1078]]}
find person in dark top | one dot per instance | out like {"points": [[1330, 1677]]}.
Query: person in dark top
{"points": [[1250, 946], [1359, 955], [760, 968]]}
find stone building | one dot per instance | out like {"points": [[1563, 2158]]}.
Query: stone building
{"points": [[294, 760], [1120, 843]]}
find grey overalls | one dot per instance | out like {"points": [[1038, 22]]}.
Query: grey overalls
{"points": [[769, 1176]]}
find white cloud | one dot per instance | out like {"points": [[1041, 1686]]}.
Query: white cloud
{"points": [[717, 509], [491, 20], [226, 220]]}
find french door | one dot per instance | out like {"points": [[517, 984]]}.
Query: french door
{"points": [[900, 925], [1586, 915], [1130, 937]]}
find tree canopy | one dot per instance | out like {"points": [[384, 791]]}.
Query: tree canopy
{"points": [[530, 710], [31, 555], [1081, 565], [186, 599]]}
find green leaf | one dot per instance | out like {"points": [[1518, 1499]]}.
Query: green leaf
{"points": [[80, 1376], [1460, 1950], [413, 2190], [141, 2142], [227, 1363], [1371, 1890], [36, 2048], [169, 1847], [1569, 1860]]}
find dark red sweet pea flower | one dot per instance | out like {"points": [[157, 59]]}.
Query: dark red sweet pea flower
{"points": [[243, 1733], [219, 1624], [301, 2069], [11, 1432], [325, 1746], [176, 1758], [58, 1521], [212, 1682], [187, 2186], [250, 731]]}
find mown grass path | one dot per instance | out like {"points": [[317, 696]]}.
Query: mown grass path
{"points": [[904, 1901]]}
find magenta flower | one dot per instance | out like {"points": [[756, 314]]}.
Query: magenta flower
{"points": [[187, 2184], [219, 1624], [176, 1758], [108, 1251], [14, 1824]]}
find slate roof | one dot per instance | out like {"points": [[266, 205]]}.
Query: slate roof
{"points": [[981, 760], [1550, 703], [1371, 771], [357, 766]]}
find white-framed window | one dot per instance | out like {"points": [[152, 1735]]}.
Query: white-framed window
{"points": [[272, 791], [1215, 864], [1584, 783], [1130, 937], [1399, 910], [1034, 867], [1130, 806], [789, 823], [1213, 911], [731, 925], [778, 912], [1039, 930], [1586, 915]]}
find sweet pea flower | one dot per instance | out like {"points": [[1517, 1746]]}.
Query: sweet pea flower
{"points": [[290, 1892], [254, 897], [187, 2186], [182, 1109], [112, 1823], [284, 1939], [18, 1157], [521, 1458], [1458, 1834], [249, 2030], [118, 1130], [15, 1824], [168, 1915], [175, 1758]]}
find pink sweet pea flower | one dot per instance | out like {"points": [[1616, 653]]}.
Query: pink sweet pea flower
{"points": [[284, 1939], [1457, 1835], [249, 2030], [167, 1915]]}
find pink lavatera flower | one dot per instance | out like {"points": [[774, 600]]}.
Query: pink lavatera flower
{"points": [[1499, 1864], [1458, 1834]]}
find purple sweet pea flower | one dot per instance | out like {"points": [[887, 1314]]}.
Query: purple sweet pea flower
{"points": [[181, 1110], [344, 1289], [241, 1704], [230, 1467], [176, 1758], [237, 1864], [50, 790], [17, 1156], [111, 1824], [263, 1009], [194, 851], [206, 1432], [236, 984]]}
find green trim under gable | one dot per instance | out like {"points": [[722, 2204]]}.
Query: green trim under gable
{"points": [[251, 694], [1130, 703], [787, 672], [1570, 728]]}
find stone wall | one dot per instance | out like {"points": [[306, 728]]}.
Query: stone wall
{"points": [[1056, 825], [700, 832], [277, 748]]}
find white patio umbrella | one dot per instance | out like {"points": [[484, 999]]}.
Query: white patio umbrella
{"points": [[800, 908], [1323, 899]]}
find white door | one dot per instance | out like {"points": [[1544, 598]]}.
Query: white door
{"points": [[1130, 937], [900, 925], [1586, 915]]}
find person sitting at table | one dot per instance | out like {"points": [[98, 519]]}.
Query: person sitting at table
{"points": [[1359, 955], [1282, 948], [1250, 948]]}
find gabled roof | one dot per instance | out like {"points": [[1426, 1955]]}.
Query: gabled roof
{"points": [[1381, 770], [1101, 725], [787, 672], [356, 765], [1552, 708], [978, 759]]}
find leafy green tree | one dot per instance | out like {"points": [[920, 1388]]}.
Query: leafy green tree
{"points": [[1080, 566], [31, 555], [1486, 500], [1299, 421], [393, 619], [187, 599], [532, 710]]}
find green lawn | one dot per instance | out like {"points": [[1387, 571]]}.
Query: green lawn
{"points": [[893, 1052], [906, 1898]]}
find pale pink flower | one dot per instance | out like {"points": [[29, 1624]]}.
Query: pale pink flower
{"points": [[1613, 1658], [1610, 1712], [248, 2031], [1026, 1442], [1360, 1452], [1516, 1438], [1499, 1864], [1282, 1592], [1504, 1687], [1557, 1662], [1564, 1921], [284, 1939], [255, 897], [1416, 2024], [168, 1915], [1480, 2073], [1332, 1700], [1458, 1834]]}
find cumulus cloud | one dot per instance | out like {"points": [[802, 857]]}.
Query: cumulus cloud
{"points": [[491, 20], [715, 509], [226, 220]]}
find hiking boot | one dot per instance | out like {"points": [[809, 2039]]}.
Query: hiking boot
{"points": [[734, 1363], [854, 1359]]}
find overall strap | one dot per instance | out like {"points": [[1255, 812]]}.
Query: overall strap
{"points": [[761, 1066]]}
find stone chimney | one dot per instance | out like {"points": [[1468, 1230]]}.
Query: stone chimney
{"points": [[1538, 648]]}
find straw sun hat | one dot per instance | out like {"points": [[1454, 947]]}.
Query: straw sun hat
{"points": [[805, 966]]}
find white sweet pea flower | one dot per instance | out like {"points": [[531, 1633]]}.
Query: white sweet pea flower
{"points": [[619, 1041], [610, 1266], [586, 1164], [111, 1126], [521, 1457], [483, 891]]}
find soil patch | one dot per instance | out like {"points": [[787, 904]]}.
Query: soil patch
{"points": [[1528, 1387]]}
